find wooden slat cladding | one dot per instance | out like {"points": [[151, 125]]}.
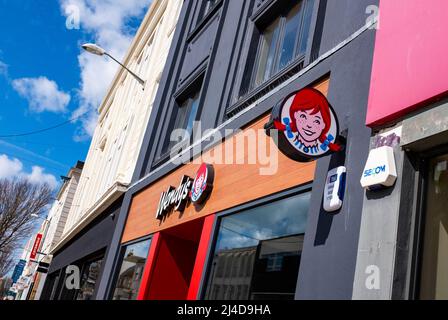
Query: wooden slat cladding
{"points": [[234, 184]]}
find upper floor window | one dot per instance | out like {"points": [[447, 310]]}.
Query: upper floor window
{"points": [[282, 41], [184, 115], [207, 6]]}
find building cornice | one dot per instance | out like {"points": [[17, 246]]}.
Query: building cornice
{"points": [[70, 174], [109, 197]]}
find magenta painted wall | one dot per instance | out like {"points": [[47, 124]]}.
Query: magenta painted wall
{"points": [[411, 58]]}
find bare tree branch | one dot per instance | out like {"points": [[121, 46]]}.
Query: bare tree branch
{"points": [[20, 200]]}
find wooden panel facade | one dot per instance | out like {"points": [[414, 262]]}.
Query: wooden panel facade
{"points": [[234, 184]]}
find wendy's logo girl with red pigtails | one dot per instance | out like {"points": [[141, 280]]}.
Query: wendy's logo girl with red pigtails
{"points": [[307, 125]]}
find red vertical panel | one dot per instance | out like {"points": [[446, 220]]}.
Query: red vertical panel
{"points": [[149, 267], [201, 256]]}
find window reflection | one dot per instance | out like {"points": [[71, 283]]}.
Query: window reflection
{"points": [[282, 41], [88, 280], [208, 6], [257, 254], [267, 52], [185, 116], [292, 24], [131, 271]]}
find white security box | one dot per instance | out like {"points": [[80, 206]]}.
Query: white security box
{"points": [[335, 189], [380, 170]]}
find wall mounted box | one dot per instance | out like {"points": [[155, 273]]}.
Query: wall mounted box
{"points": [[380, 170]]}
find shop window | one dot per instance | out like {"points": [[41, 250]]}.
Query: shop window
{"points": [[131, 270], [216, 291], [434, 266], [264, 244], [58, 285], [65, 292], [89, 277], [51, 287], [277, 43], [274, 263]]}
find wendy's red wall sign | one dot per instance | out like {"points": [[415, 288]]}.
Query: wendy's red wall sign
{"points": [[196, 190]]}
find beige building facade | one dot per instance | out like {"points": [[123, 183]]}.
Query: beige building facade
{"points": [[123, 117]]}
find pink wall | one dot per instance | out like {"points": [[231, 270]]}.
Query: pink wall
{"points": [[410, 63]]}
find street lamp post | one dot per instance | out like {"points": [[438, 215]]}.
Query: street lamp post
{"points": [[95, 49]]}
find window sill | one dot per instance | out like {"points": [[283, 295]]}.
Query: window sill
{"points": [[165, 157], [160, 160], [258, 92]]}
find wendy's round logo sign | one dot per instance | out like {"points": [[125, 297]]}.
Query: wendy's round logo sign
{"points": [[202, 184], [197, 190], [307, 126]]}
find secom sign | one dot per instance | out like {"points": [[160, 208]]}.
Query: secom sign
{"points": [[380, 170], [375, 171]]}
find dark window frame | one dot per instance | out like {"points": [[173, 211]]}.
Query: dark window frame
{"points": [[244, 93], [418, 208], [86, 262], [285, 194], [205, 10], [275, 69], [61, 276], [264, 21], [57, 284], [120, 259], [195, 84]]}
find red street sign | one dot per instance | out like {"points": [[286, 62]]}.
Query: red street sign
{"points": [[36, 246]]}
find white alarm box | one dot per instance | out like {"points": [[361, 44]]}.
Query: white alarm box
{"points": [[380, 170], [335, 189]]}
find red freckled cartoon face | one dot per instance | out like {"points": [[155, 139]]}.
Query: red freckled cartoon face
{"points": [[310, 126], [198, 184]]}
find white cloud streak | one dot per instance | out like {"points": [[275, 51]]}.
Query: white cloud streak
{"points": [[33, 155], [42, 94]]}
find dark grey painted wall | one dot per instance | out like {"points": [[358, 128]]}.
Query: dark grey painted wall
{"points": [[220, 47], [95, 237], [331, 242]]}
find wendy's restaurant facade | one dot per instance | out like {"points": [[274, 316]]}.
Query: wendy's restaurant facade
{"points": [[403, 238], [258, 195]]}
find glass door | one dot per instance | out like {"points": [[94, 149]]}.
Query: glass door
{"points": [[434, 255]]}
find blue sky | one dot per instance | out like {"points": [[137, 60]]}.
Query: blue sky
{"points": [[46, 79]]}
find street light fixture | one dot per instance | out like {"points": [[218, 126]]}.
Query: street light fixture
{"points": [[36, 216], [94, 49], [97, 50]]}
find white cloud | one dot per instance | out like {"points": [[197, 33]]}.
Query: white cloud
{"points": [[42, 94], [3, 69], [11, 168], [106, 21], [38, 176]]}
